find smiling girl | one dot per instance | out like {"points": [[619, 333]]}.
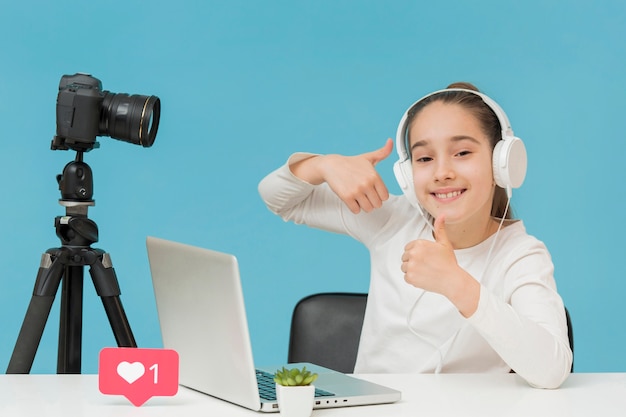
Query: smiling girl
{"points": [[456, 284]]}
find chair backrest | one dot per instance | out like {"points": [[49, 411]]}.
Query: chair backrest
{"points": [[326, 329], [570, 335]]}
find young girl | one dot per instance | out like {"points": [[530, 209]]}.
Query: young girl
{"points": [[456, 285]]}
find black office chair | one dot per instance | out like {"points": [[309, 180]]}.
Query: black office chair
{"points": [[326, 329]]}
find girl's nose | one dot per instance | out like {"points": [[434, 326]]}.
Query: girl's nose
{"points": [[444, 171]]}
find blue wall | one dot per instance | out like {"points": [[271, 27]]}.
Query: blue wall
{"points": [[245, 83]]}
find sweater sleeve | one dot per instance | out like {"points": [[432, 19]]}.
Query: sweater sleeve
{"points": [[318, 206], [297, 201], [535, 349], [281, 190]]}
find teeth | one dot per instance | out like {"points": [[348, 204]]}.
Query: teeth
{"points": [[448, 195]]}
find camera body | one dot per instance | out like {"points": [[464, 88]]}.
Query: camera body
{"points": [[84, 111]]}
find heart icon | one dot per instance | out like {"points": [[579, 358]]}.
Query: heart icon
{"points": [[130, 371], [137, 373]]}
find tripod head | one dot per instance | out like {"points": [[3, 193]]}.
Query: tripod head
{"points": [[76, 183], [76, 186]]}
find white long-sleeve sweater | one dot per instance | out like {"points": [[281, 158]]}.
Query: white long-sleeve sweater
{"points": [[520, 322]]}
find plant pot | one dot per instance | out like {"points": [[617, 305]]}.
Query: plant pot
{"points": [[295, 401]]}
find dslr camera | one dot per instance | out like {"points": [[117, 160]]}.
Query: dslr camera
{"points": [[85, 111]]}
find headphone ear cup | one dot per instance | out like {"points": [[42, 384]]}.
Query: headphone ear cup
{"points": [[509, 162], [404, 177]]}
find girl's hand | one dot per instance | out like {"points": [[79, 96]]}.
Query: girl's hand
{"points": [[353, 178], [432, 266]]}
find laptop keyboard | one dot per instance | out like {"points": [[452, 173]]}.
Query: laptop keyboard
{"points": [[267, 387]]}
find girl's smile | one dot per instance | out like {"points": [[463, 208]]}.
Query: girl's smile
{"points": [[445, 196]]}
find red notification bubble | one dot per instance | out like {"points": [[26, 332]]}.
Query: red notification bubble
{"points": [[137, 373]]}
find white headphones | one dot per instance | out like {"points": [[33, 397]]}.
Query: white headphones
{"points": [[509, 155]]}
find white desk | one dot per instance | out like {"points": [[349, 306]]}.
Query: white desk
{"points": [[601, 394]]}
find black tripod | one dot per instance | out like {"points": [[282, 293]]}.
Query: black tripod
{"points": [[65, 264]]}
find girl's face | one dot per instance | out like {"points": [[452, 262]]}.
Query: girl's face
{"points": [[451, 159]]}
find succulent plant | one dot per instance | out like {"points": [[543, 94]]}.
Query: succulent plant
{"points": [[294, 377]]}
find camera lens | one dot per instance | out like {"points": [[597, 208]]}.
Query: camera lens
{"points": [[133, 119]]}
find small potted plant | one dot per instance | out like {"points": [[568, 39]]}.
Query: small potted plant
{"points": [[295, 391]]}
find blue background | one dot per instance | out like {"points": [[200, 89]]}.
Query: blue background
{"points": [[245, 83]]}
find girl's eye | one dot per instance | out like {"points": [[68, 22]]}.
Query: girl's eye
{"points": [[423, 159], [463, 153]]}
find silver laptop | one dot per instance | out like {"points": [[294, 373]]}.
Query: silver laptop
{"points": [[202, 316]]}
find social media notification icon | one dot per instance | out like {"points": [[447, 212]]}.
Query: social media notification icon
{"points": [[137, 373]]}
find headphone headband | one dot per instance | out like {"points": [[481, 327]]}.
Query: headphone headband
{"points": [[401, 144]]}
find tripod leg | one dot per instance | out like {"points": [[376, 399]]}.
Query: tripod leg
{"points": [[71, 322], [107, 287], [46, 286], [119, 323]]}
